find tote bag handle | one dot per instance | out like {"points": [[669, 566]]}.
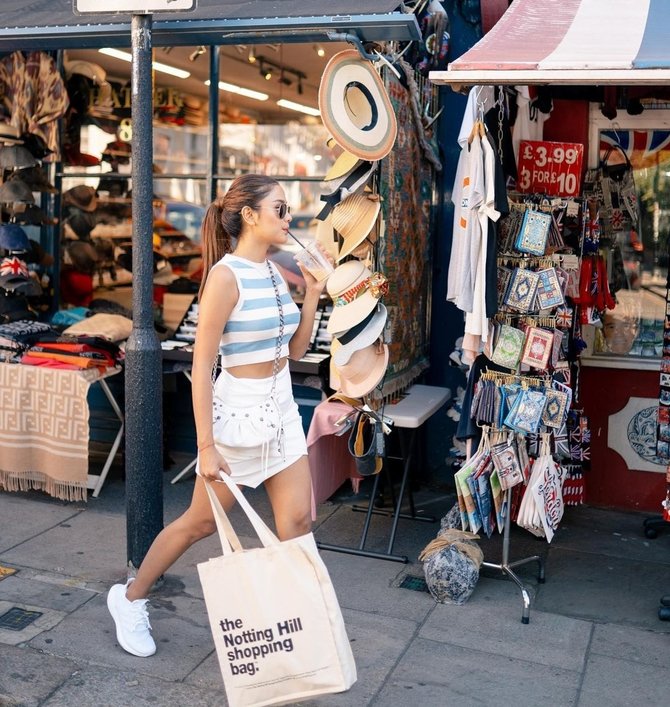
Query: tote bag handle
{"points": [[229, 540]]}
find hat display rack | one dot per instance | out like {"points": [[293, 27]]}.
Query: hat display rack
{"points": [[22, 175], [357, 113]]}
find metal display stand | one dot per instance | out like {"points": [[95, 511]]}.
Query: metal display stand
{"points": [[408, 415], [96, 481], [507, 567]]}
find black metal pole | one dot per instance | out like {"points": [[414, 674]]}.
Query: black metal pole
{"points": [[213, 166], [144, 414]]}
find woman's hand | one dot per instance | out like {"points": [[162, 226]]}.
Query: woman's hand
{"points": [[313, 285], [211, 464]]}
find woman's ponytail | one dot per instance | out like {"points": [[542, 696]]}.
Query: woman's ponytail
{"points": [[214, 240]]}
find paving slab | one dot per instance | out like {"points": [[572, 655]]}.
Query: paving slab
{"points": [[180, 629], [436, 673], [490, 622], [370, 585], [612, 533], [44, 513], [28, 677], [80, 546], [621, 683], [632, 644], [376, 642], [105, 687], [605, 589], [62, 597]]}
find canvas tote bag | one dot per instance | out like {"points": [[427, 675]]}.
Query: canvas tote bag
{"points": [[274, 616]]}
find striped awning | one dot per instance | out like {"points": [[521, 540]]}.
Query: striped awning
{"points": [[584, 42]]}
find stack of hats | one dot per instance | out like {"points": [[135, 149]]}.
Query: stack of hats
{"points": [[21, 176], [358, 355], [357, 112], [16, 283]]}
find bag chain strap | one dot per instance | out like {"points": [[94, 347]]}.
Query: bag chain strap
{"points": [[280, 338]]}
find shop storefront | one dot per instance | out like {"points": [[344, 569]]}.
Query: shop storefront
{"points": [[603, 93], [88, 183]]}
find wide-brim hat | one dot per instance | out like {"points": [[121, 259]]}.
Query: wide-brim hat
{"points": [[16, 157], [16, 191], [13, 238], [342, 166], [355, 107], [35, 178], [363, 334], [364, 370], [352, 182], [82, 197], [355, 292], [354, 218], [326, 236]]}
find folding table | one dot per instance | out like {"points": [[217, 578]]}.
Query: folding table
{"points": [[408, 415]]}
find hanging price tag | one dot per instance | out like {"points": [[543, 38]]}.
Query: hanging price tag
{"points": [[552, 168]]}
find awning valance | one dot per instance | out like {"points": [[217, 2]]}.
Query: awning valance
{"points": [[52, 24], [560, 42]]}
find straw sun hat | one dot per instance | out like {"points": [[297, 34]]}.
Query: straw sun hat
{"points": [[355, 107], [364, 370], [355, 292], [354, 218]]}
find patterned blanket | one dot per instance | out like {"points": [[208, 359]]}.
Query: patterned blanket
{"points": [[44, 430], [405, 252]]}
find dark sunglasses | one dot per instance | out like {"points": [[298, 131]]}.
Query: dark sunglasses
{"points": [[281, 210]]}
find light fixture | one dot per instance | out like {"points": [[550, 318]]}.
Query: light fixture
{"points": [[308, 110], [198, 51], [163, 68], [266, 72], [300, 85], [320, 51], [251, 56], [283, 79], [240, 91]]}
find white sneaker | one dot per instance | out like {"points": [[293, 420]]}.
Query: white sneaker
{"points": [[133, 630]]}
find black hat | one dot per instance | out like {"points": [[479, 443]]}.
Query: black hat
{"points": [[35, 178]]}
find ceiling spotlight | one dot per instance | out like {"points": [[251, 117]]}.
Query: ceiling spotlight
{"points": [[252, 56], [300, 85], [284, 80], [320, 51], [266, 73]]}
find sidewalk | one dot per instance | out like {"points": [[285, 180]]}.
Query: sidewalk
{"points": [[593, 639]]}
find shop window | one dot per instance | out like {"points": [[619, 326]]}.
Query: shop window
{"points": [[637, 149]]}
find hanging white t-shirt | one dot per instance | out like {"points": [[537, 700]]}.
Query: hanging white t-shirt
{"points": [[476, 321], [467, 196]]}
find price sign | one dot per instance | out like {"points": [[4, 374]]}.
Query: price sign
{"points": [[552, 168]]}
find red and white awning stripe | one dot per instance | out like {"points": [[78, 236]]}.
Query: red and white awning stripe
{"points": [[570, 41]]}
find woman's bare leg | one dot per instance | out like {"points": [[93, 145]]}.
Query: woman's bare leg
{"points": [[290, 493], [173, 541]]}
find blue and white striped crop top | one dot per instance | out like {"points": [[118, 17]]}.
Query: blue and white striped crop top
{"points": [[250, 334]]}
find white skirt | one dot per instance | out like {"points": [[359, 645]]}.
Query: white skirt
{"points": [[247, 466]]}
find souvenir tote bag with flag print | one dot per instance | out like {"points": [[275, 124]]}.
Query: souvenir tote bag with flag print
{"points": [[276, 622]]}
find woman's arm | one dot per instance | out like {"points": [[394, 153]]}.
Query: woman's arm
{"points": [[217, 302]]}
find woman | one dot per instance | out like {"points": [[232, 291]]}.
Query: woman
{"points": [[245, 297]]}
